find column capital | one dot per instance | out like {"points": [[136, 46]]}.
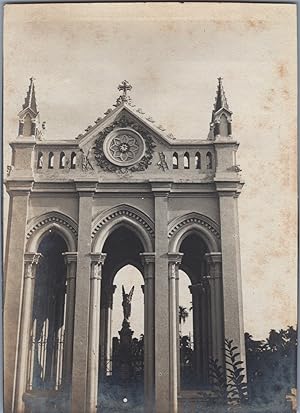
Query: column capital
{"points": [[98, 258], [213, 257], [147, 257], [175, 257], [70, 257], [32, 257]]}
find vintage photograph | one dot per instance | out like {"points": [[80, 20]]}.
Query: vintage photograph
{"points": [[150, 207]]}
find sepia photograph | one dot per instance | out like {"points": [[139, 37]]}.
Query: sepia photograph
{"points": [[150, 207]]}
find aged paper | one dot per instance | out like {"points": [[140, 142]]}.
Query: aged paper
{"points": [[143, 126]]}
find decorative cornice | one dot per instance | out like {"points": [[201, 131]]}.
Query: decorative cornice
{"points": [[55, 217], [127, 211], [194, 218]]}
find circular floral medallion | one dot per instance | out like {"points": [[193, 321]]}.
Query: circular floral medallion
{"points": [[124, 147]]}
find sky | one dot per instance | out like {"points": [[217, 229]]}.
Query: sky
{"points": [[172, 55]]}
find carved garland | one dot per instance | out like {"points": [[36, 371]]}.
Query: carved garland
{"points": [[47, 220], [191, 220], [123, 122], [123, 212]]}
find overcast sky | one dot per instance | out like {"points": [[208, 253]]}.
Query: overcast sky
{"points": [[172, 55]]}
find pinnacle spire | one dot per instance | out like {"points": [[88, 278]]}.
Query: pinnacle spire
{"points": [[30, 100], [220, 124], [221, 101]]}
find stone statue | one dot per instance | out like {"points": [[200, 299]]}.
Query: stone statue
{"points": [[85, 161], [126, 303]]}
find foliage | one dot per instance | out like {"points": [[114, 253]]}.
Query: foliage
{"points": [[186, 362], [218, 376], [183, 314], [236, 386], [271, 367], [229, 382]]}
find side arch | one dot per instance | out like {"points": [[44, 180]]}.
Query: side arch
{"points": [[122, 215], [55, 220], [180, 227]]}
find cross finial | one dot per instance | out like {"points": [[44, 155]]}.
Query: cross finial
{"points": [[124, 86]]}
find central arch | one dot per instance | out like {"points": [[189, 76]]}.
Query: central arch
{"points": [[124, 234]]}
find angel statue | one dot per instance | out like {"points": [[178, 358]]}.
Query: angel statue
{"points": [[126, 303]]}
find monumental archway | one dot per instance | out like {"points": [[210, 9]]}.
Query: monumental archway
{"points": [[124, 192]]}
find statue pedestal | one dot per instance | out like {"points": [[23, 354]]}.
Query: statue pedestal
{"points": [[125, 356]]}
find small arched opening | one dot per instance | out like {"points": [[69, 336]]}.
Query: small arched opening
{"points": [[209, 160], [197, 160], [51, 160], [73, 160], [62, 160], [40, 160], [186, 160], [175, 160]]}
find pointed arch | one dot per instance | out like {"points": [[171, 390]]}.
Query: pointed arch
{"points": [[126, 215], [179, 228], [27, 128], [209, 160], [175, 160], [186, 160], [40, 160], [197, 160], [62, 160], [73, 160], [224, 130], [50, 160], [53, 220]]}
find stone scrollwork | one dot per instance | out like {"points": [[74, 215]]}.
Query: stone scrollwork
{"points": [[124, 145]]}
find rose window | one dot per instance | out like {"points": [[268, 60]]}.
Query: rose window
{"points": [[124, 147]]}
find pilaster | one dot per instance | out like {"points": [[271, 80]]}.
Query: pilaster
{"points": [[161, 311], [231, 265], [82, 300], [148, 260], [13, 284]]}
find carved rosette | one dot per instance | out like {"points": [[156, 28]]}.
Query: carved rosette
{"points": [[124, 146]]}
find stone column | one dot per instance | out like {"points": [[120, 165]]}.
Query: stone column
{"points": [[148, 259], [82, 299], [231, 266], [108, 355], [214, 264], [161, 308], [70, 260], [174, 261], [30, 260], [196, 291], [94, 332], [12, 286]]}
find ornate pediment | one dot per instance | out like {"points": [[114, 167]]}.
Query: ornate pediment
{"points": [[124, 145]]}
